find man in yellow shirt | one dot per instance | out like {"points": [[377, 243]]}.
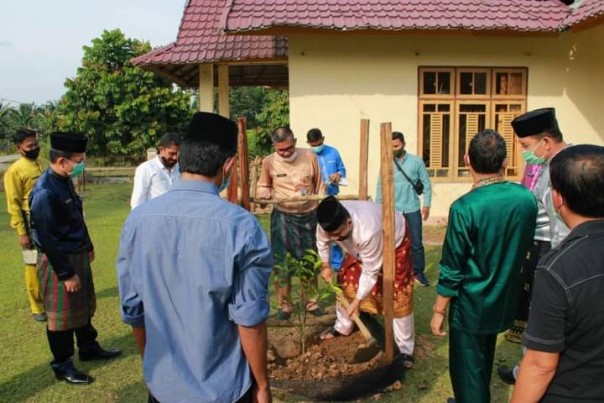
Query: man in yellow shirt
{"points": [[19, 180]]}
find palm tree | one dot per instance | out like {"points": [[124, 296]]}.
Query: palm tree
{"points": [[26, 115], [6, 126]]}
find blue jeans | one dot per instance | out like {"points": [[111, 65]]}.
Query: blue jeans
{"points": [[417, 246]]}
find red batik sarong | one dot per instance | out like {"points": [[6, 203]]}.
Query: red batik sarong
{"points": [[348, 278]]}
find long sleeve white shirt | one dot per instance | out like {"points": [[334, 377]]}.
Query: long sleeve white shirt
{"points": [[152, 179], [365, 244]]}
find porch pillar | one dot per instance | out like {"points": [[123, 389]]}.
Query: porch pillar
{"points": [[223, 90], [206, 87]]}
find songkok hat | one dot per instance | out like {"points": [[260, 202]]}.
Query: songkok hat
{"points": [[214, 129], [331, 214], [535, 122], [68, 142]]}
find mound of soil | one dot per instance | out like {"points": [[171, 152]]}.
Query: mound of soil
{"points": [[325, 371]]}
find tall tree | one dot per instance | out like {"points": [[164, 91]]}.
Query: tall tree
{"points": [[122, 108], [274, 113]]}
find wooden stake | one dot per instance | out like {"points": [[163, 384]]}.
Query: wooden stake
{"points": [[233, 187], [388, 251], [244, 167], [301, 198], [364, 159]]}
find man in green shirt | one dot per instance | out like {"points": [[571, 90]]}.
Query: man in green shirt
{"points": [[489, 231]]}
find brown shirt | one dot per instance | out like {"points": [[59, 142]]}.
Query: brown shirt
{"points": [[286, 179]]}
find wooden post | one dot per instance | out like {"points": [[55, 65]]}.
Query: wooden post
{"points": [[223, 90], [244, 164], [232, 189], [388, 251], [364, 159]]}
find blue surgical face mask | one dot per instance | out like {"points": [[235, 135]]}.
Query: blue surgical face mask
{"points": [[530, 158], [317, 149], [226, 181]]}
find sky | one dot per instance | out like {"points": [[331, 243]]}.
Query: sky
{"points": [[41, 41]]}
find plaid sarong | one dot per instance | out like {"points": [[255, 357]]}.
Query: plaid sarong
{"points": [[293, 233], [348, 278], [67, 310]]}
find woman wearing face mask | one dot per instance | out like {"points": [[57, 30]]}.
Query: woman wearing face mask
{"points": [[286, 173], [540, 140]]}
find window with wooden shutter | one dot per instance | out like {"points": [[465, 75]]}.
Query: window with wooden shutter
{"points": [[455, 103]]}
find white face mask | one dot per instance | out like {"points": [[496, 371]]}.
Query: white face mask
{"points": [[291, 157]]}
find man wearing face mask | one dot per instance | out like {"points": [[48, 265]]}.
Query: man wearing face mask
{"points": [[564, 361], [154, 177], [333, 173], [357, 227], [290, 172], [193, 273], [60, 234], [409, 170], [19, 179], [540, 138]]}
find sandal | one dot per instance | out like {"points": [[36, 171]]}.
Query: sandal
{"points": [[317, 312], [330, 333], [282, 315], [407, 361]]}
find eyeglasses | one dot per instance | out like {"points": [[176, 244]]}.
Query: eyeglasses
{"points": [[286, 150]]}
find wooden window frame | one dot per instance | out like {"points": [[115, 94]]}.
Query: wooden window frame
{"points": [[456, 99]]}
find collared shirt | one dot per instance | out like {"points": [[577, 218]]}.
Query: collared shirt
{"points": [[191, 267], [550, 228], [152, 179], [406, 199], [567, 315], [330, 163], [57, 221], [488, 234], [287, 179], [19, 180], [365, 244]]}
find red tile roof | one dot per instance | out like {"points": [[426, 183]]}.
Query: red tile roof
{"points": [[584, 11], [396, 15], [200, 40]]}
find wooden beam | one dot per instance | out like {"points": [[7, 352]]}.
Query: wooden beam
{"points": [[388, 241], [364, 159], [244, 164], [301, 198]]}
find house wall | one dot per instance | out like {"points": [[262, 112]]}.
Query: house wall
{"points": [[336, 80]]}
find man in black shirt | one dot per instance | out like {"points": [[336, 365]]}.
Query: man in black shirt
{"points": [[564, 338]]}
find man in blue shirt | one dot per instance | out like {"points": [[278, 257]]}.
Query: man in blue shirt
{"points": [[407, 202], [193, 272], [333, 174]]}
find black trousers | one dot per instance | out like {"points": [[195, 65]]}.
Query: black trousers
{"points": [[61, 342], [246, 398]]}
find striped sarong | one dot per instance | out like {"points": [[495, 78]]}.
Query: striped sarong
{"points": [[67, 310], [293, 233], [348, 278]]}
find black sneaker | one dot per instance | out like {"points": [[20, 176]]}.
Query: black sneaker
{"points": [[506, 374], [420, 278]]}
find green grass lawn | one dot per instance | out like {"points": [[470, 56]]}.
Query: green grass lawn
{"points": [[25, 373]]}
